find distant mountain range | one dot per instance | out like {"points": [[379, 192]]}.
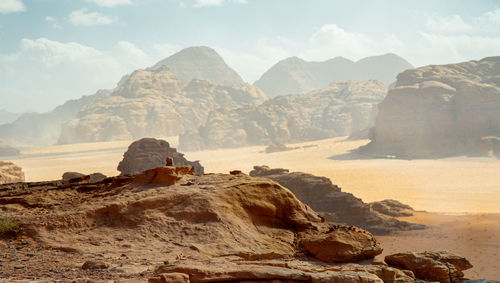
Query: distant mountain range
{"points": [[178, 93], [294, 75]]}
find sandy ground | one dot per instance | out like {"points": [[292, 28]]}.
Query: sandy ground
{"points": [[462, 193]]}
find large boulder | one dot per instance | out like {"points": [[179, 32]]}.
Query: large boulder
{"points": [[440, 111], [331, 203], [434, 266], [340, 109], [149, 153]]}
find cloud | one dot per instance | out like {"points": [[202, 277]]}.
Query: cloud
{"points": [[83, 18], [493, 16], [60, 71], [203, 3], [450, 24], [11, 6], [110, 3], [53, 21]]}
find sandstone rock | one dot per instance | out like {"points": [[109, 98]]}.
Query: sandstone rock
{"points": [[439, 111], [277, 147], [154, 102], [7, 150], [96, 177], [149, 153], [342, 244], [67, 176], [338, 110], [333, 204], [436, 266], [92, 265], [294, 75], [170, 278], [392, 208], [10, 173]]}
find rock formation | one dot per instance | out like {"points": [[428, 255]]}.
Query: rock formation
{"points": [[439, 111], [201, 62], [154, 103], [333, 204], [277, 147], [44, 128], [7, 150], [149, 153], [10, 173], [392, 208], [338, 110], [433, 266], [70, 177], [294, 75], [7, 116]]}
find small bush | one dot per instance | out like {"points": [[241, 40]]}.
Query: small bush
{"points": [[9, 227]]}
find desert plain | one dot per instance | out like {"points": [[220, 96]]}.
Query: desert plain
{"points": [[456, 197]]}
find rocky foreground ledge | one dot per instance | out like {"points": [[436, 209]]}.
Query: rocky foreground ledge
{"points": [[169, 225]]}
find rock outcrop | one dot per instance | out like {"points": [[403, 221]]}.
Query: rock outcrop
{"points": [[433, 266], [201, 62], [169, 225], [338, 110], [392, 208], [439, 111], [333, 204], [149, 153], [10, 173], [294, 75], [154, 102], [7, 150], [44, 128]]}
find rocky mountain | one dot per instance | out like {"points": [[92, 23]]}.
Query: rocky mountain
{"points": [[168, 225], [338, 110], [440, 111], [44, 128], [154, 102], [294, 75], [7, 116], [203, 63], [335, 206], [7, 150]]}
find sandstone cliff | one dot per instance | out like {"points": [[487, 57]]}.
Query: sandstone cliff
{"points": [[440, 111], [10, 173], [338, 110], [154, 103], [294, 75]]}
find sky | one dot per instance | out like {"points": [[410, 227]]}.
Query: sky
{"points": [[55, 50]]}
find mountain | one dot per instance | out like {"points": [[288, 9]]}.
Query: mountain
{"points": [[294, 75], [441, 111], [154, 102], [43, 128], [201, 63], [7, 116], [340, 109]]}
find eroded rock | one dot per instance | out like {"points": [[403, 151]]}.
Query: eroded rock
{"points": [[10, 173]]}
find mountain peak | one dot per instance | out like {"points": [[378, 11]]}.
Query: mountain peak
{"points": [[201, 62]]}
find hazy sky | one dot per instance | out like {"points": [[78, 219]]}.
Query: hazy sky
{"points": [[55, 50]]}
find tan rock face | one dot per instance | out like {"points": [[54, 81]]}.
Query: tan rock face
{"points": [[338, 110], [435, 266], [10, 173], [154, 102], [149, 153], [439, 111], [333, 204]]}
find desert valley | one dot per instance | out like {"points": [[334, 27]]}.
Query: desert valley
{"points": [[332, 170]]}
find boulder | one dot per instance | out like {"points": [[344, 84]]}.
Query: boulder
{"points": [[10, 173], [433, 266], [149, 153], [331, 203], [440, 111], [71, 177]]}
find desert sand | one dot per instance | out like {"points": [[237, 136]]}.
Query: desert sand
{"points": [[460, 194]]}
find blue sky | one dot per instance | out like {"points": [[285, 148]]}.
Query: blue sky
{"points": [[55, 50]]}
